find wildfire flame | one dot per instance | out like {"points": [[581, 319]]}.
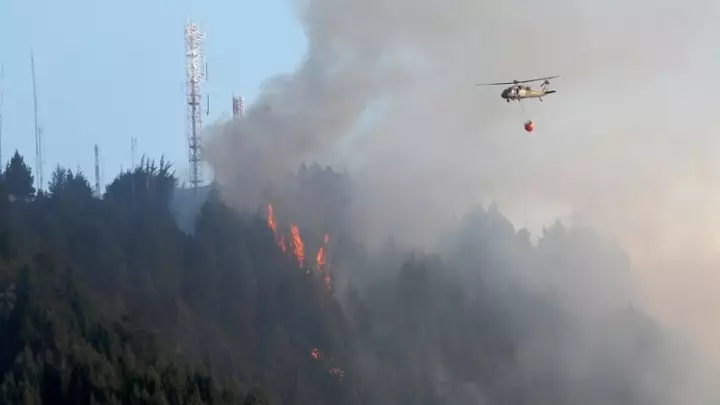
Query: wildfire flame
{"points": [[272, 224], [299, 250], [297, 244], [320, 259], [298, 247]]}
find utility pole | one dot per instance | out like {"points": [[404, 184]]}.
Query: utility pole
{"points": [[97, 171], [38, 132]]}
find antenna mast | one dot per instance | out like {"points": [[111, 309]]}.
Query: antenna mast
{"points": [[194, 74], [38, 131], [238, 105], [133, 150], [97, 170]]}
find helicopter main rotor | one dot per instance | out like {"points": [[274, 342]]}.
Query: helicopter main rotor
{"points": [[516, 82]]}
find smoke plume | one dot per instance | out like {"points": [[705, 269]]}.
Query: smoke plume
{"points": [[626, 145]]}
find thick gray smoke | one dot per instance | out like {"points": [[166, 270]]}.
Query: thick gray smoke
{"points": [[626, 145], [388, 85]]}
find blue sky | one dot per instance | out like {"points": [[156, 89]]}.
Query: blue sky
{"points": [[107, 71]]}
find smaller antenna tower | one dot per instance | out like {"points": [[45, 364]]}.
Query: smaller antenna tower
{"points": [[38, 131], [194, 75], [133, 150], [238, 104], [97, 170]]}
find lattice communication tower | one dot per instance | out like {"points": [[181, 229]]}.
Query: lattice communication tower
{"points": [[195, 74], [238, 105]]}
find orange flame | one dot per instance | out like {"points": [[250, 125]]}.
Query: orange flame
{"points": [[272, 224], [297, 244], [271, 220], [320, 259]]}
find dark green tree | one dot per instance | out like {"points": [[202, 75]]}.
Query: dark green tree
{"points": [[19, 178], [71, 189]]}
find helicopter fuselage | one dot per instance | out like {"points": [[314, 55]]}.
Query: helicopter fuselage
{"points": [[520, 92]]}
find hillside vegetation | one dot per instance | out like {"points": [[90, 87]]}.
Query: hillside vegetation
{"points": [[106, 300]]}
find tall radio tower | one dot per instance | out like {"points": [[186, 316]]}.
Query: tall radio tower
{"points": [[238, 106], [195, 74], [38, 131]]}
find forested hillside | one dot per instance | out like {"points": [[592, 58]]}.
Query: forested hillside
{"points": [[106, 300]]}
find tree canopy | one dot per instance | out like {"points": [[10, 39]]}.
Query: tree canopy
{"points": [[105, 299], [19, 178]]}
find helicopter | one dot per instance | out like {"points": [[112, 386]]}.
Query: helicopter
{"points": [[518, 92]]}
